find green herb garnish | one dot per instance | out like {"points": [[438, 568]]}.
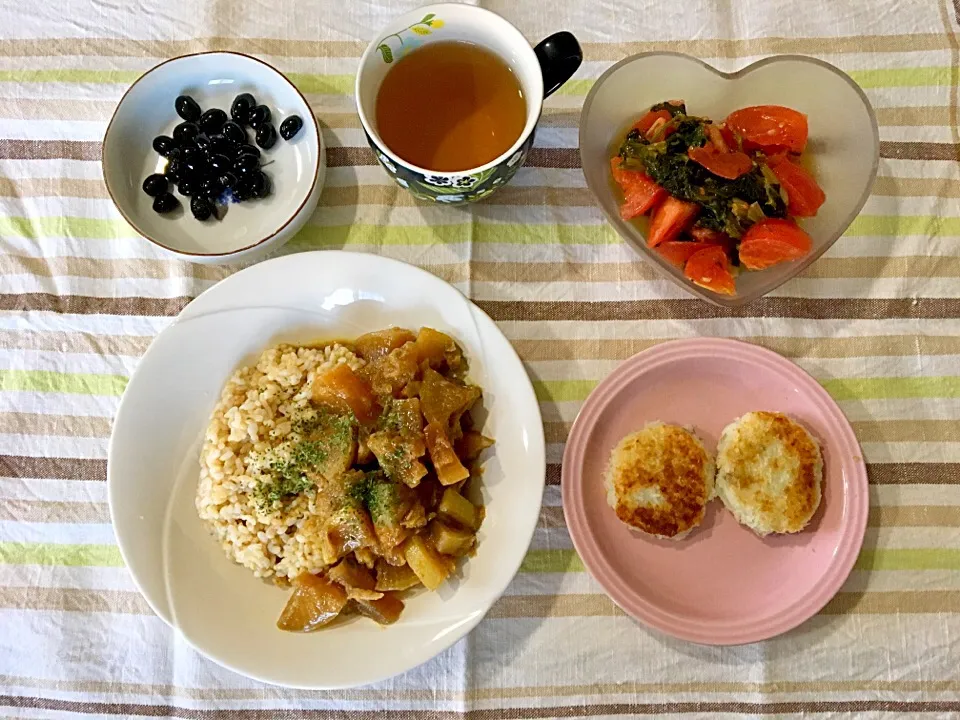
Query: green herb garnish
{"points": [[320, 436]]}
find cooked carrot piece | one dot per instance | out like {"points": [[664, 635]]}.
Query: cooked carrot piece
{"points": [[710, 268], [670, 218]]}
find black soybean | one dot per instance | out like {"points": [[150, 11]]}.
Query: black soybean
{"points": [[211, 187], [259, 115], [212, 120], [187, 187], [242, 190], [290, 127], [233, 132], [185, 132], [220, 163], [246, 164], [173, 171], [187, 108], [190, 152], [258, 184], [202, 141], [164, 145], [196, 167], [165, 203], [201, 208], [155, 184], [241, 107], [211, 152], [266, 136], [219, 145]]}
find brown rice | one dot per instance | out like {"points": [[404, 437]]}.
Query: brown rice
{"points": [[256, 416]]}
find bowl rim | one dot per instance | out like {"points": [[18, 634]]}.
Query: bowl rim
{"points": [[261, 241], [619, 225]]}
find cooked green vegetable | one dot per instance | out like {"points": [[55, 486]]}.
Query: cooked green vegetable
{"points": [[678, 109], [730, 206]]}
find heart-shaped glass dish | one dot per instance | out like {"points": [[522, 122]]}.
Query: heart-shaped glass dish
{"points": [[844, 144]]}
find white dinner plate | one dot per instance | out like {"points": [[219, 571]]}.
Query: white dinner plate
{"points": [[221, 608]]}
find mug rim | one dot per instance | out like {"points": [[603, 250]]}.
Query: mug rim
{"points": [[532, 117]]}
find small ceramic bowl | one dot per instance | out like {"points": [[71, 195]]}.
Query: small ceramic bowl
{"points": [[844, 142], [295, 168]]}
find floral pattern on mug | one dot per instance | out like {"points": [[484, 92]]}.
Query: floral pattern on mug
{"points": [[426, 26], [451, 188]]}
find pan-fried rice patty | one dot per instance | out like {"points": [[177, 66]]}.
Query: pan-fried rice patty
{"points": [[660, 479], [769, 472], [257, 412]]}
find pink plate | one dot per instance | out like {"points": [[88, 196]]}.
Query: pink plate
{"points": [[721, 585]]}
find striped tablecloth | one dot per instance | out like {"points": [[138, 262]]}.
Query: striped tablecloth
{"points": [[877, 320]]}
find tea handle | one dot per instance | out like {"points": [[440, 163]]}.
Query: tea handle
{"points": [[559, 56]]}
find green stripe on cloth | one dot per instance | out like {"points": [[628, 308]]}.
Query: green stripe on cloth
{"points": [[562, 561], [478, 231], [882, 388], [880, 78], [910, 559], [70, 75], [14, 553], [343, 84], [892, 388], [551, 561], [307, 82], [536, 561], [73, 383], [323, 84]]}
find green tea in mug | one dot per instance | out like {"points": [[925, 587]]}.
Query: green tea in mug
{"points": [[450, 106]]}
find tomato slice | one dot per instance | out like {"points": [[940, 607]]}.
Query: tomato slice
{"points": [[670, 218], [677, 252], [710, 268], [647, 121], [771, 126], [729, 165], [773, 241], [706, 235], [640, 193], [728, 137], [804, 196]]}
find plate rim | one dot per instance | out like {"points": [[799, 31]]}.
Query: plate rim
{"points": [[536, 434], [650, 613]]}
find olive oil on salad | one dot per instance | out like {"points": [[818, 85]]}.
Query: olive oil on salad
{"points": [[450, 106]]}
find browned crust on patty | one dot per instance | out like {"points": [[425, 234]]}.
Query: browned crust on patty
{"points": [[671, 460], [791, 509]]}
